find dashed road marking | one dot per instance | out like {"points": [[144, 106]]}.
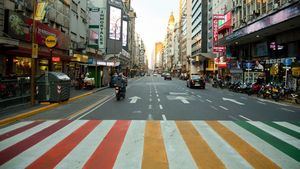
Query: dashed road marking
{"points": [[201, 100], [161, 107], [199, 96], [245, 118], [150, 106], [150, 100], [158, 99], [223, 107], [261, 102], [213, 107], [164, 117], [150, 117], [285, 109], [208, 100]]}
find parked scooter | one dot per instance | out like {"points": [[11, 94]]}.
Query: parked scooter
{"points": [[296, 97]]}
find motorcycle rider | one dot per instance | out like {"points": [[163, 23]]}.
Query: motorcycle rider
{"points": [[120, 82]]}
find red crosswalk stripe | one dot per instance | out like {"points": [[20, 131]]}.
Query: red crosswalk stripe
{"points": [[19, 130], [51, 158], [14, 150], [106, 153]]}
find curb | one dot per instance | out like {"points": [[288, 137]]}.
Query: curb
{"points": [[9, 120]]}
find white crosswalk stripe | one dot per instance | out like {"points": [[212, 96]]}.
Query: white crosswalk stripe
{"points": [[289, 126]]}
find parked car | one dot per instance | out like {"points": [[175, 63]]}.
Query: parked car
{"points": [[154, 74], [196, 80], [167, 76], [163, 74]]}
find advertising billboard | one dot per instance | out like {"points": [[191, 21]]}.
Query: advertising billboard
{"points": [[93, 37], [115, 23], [124, 39]]}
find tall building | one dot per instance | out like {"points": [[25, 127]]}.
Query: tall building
{"points": [[158, 55], [199, 36], [185, 34], [169, 42]]}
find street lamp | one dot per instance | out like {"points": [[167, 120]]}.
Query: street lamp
{"points": [[34, 55]]}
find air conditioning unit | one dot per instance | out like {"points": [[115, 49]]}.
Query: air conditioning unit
{"points": [[275, 6], [20, 8], [46, 21]]}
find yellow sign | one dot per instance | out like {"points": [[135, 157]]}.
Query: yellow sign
{"points": [[40, 11], [35, 50], [50, 41]]}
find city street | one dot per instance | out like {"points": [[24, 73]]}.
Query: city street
{"points": [[158, 119], [153, 98]]}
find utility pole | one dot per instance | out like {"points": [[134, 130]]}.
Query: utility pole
{"points": [[34, 55]]}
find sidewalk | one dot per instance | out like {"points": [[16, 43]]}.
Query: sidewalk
{"points": [[27, 107]]}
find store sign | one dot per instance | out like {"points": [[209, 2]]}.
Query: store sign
{"points": [[281, 60], [101, 63], [102, 29], [55, 59], [278, 17], [221, 62], [19, 27], [216, 48], [50, 41]]}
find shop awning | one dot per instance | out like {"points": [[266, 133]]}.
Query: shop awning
{"points": [[8, 42], [208, 55]]}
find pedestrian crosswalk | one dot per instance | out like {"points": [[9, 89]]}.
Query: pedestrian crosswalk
{"points": [[135, 144]]}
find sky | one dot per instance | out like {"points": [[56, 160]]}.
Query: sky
{"points": [[152, 20]]}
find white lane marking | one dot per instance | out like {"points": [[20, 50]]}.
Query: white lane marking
{"points": [[287, 110], [270, 101], [193, 92], [15, 126], [277, 133], [220, 147], [175, 145], [244, 98], [137, 112], [150, 117], [161, 107], [150, 95], [261, 102], [131, 153], [208, 100], [178, 93], [199, 96], [289, 126], [157, 95], [182, 99], [134, 99], [94, 108], [150, 100], [213, 107], [280, 158], [158, 99], [73, 160], [233, 101], [164, 117], [245, 118], [150, 106], [37, 150], [223, 107], [234, 118], [201, 100], [21, 136], [156, 91]]}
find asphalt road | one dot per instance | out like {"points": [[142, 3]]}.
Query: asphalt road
{"points": [[153, 98], [221, 129]]}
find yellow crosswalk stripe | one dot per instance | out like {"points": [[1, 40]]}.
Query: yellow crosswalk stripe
{"points": [[154, 150], [200, 150], [254, 157]]}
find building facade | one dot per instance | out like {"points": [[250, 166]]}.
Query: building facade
{"points": [[198, 60], [265, 41], [158, 56]]}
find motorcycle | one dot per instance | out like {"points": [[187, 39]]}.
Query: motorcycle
{"points": [[296, 97], [119, 92], [255, 88], [275, 93]]}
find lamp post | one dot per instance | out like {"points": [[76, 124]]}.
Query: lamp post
{"points": [[33, 56]]}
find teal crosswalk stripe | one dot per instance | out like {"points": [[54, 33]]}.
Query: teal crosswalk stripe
{"points": [[283, 129], [296, 123], [288, 149]]}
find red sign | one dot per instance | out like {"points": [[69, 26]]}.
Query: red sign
{"points": [[216, 18], [55, 59]]}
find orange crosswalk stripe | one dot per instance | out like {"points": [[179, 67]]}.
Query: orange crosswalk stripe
{"points": [[154, 150], [255, 158], [200, 150]]}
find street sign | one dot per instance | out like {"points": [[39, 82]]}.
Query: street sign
{"points": [[35, 50], [287, 61], [50, 41], [248, 65]]}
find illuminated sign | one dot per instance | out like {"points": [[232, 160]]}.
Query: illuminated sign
{"points": [[124, 39], [115, 23], [102, 29], [55, 59], [216, 19], [50, 41]]}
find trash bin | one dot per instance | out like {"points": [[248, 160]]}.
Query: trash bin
{"points": [[58, 87]]}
